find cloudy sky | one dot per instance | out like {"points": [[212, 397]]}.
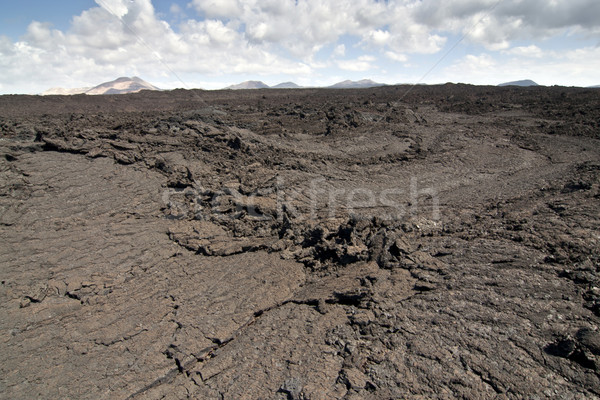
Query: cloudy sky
{"points": [[213, 43]]}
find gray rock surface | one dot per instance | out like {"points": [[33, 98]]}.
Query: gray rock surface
{"points": [[301, 244]]}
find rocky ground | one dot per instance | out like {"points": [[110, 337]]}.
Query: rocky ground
{"points": [[396, 242]]}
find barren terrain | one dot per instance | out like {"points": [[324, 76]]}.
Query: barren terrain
{"points": [[394, 242]]}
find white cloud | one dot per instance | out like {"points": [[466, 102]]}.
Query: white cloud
{"points": [[303, 27], [525, 51], [116, 7], [219, 8], [361, 64], [101, 45], [396, 56], [176, 9], [578, 67], [219, 33], [379, 37], [486, 31], [6, 47], [340, 50], [225, 37], [494, 24]]}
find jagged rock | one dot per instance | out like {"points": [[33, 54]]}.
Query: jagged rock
{"points": [[353, 379]]}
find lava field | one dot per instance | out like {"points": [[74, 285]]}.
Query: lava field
{"points": [[395, 242]]}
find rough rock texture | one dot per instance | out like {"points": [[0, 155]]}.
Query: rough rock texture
{"points": [[396, 242]]}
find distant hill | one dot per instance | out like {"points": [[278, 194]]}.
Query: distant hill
{"points": [[526, 82], [594, 87], [249, 85], [121, 86], [118, 86], [286, 85], [64, 92], [364, 83]]}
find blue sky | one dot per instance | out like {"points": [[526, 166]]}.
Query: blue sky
{"points": [[214, 43], [17, 15]]}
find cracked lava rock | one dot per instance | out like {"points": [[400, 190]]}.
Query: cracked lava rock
{"points": [[395, 242]]}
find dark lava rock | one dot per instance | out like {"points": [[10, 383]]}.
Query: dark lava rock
{"points": [[393, 242]]}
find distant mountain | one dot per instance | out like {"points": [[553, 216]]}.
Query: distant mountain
{"points": [[594, 87], [118, 86], [364, 83], [526, 82], [249, 85], [122, 86], [286, 85], [64, 92]]}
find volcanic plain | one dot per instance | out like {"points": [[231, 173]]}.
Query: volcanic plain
{"points": [[394, 242]]}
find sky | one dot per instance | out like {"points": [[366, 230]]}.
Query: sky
{"points": [[211, 44]]}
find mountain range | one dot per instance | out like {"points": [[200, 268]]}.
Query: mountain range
{"points": [[262, 85], [524, 83], [118, 86], [134, 84], [286, 85], [65, 92], [249, 85], [364, 83]]}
